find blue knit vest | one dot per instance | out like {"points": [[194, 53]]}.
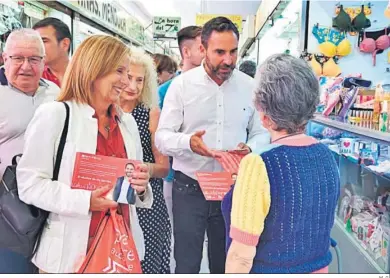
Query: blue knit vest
{"points": [[305, 187]]}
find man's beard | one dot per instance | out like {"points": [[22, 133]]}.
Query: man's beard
{"points": [[215, 70]]}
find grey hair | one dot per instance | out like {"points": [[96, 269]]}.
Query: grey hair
{"points": [[287, 92], [149, 97], [248, 67], [24, 35]]}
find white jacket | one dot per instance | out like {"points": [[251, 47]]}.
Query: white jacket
{"points": [[65, 237]]}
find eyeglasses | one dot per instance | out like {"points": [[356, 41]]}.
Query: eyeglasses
{"points": [[33, 60]]}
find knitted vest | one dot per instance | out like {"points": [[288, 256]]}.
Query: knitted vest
{"points": [[305, 188]]}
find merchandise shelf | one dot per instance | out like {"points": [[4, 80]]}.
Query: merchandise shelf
{"points": [[365, 167], [339, 224], [363, 182], [366, 133]]}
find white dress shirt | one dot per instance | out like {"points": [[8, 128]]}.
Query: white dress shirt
{"points": [[194, 102], [123, 195]]}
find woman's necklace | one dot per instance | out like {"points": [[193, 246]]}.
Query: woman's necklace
{"points": [[286, 136]]}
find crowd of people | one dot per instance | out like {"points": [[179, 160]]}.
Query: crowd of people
{"points": [[125, 103]]}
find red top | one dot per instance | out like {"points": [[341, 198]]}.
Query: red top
{"points": [[49, 75], [112, 146]]}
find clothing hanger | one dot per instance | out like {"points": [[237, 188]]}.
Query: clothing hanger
{"points": [[369, 5]]}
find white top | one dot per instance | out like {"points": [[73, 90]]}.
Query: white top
{"points": [[123, 195], [16, 111], [65, 236], [195, 102]]}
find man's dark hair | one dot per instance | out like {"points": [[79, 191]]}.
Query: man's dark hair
{"points": [[219, 24], [130, 163], [62, 30], [188, 33], [164, 63], [248, 67]]}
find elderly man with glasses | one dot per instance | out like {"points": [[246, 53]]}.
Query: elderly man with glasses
{"points": [[22, 90]]}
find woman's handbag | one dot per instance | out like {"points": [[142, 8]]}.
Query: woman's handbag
{"points": [[113, 249], [21, 225]]}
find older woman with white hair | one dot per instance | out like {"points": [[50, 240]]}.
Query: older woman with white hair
{"points": [[140, 99], [22, 91], [280, 212]]}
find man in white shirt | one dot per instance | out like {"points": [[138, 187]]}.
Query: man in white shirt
{"points": [[209, 107], [22, 91]]}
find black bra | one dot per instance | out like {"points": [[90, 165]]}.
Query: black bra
{"points": [[344, 23]]}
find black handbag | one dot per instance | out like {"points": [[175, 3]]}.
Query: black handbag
{"points": [[21, 225]]}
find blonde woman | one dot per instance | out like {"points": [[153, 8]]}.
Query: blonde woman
{"points": [[140, 99], [92, 84]]}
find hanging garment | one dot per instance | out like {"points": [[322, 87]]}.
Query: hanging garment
{"points": [[373, 42], [344, 23], [332, 42], [387, 10], [323, 66]]}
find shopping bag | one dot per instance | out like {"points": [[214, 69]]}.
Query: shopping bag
{"points": [[113, 249]]}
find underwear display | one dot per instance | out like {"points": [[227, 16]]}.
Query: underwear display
{"points": [[332, 42], [345, 23], [374, 42], [324, 66], [387, 11], [354, 11]]}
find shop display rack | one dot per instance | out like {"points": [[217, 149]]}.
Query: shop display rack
{"points": [[368, 185], [364, 167], [362, 132]]}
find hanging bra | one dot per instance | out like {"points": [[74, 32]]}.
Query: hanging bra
{"points": [[354, 11], [387, 11], [332, 42], [376, 42], [344, 23], [324, 68]]}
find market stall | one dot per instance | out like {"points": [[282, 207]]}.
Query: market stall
{"points": [[348, 48]]}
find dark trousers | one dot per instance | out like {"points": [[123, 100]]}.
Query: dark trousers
{"points": [[192, 217]]}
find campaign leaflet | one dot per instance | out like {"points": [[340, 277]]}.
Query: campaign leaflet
{"points": [[215, 185], [95, 171]]}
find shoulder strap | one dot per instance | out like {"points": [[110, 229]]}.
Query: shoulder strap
{"points": [[57, 165], [61, 146]]}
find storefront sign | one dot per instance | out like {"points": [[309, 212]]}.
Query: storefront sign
{"points": [[201, 19], [265, 10], [34, 11], [106, 14], [135, 29], [166, 27], [13, 4]]}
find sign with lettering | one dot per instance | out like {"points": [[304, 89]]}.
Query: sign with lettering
{"points": [[166, 27], [108, 15], [106, 11], [201, 19]]}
